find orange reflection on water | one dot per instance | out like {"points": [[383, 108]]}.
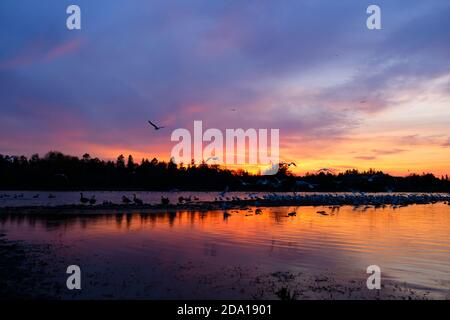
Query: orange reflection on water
{"points": [[410, 244]]}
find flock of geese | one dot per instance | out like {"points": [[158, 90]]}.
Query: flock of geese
{"points": [[333, 201], [21, 196], [354, 198]]}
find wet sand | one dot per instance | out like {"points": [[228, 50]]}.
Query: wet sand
{"points": [[24, 271]]}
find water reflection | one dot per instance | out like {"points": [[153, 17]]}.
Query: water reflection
{"points": [[410, 244]]}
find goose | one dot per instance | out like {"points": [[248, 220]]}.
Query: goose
{"points": [[322, 213], [126, 200], [83, 199], [258, 211], [165, 201], [92, 200], [137, 200], [292, 214], [36, 196]]}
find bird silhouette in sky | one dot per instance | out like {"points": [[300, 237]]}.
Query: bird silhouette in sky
{"points": [[288, 164], [213, 158], [154, 125]]}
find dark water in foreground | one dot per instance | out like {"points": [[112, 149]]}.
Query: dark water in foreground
{"points": [[208, 255]]}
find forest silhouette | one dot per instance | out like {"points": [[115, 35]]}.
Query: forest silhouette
{"points": [[56, 171]]}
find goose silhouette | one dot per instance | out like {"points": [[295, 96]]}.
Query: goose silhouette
{"points": [[83, 199]]}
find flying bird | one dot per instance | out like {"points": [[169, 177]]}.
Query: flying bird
{"points": [[154, 125], [288, 164], [292, 164], [327, 170]]}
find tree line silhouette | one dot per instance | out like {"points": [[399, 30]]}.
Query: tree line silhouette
{"points": [[56, 171]]}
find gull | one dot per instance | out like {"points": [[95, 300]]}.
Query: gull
{"points": [[213, 158], [292, 164], [288, 164], [154, 125], [328, 170]]}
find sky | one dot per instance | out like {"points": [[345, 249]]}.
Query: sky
{"points": [[342, 96]]}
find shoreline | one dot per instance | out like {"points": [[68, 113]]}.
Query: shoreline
{"points": [[270, 200]]}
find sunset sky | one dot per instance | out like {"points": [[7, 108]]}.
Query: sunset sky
{"points": [[342, 96]]}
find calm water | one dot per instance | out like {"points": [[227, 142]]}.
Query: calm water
{"points": [[168, 254]]}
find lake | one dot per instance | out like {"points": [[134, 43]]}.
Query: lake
{"points": [[238, 255]]}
